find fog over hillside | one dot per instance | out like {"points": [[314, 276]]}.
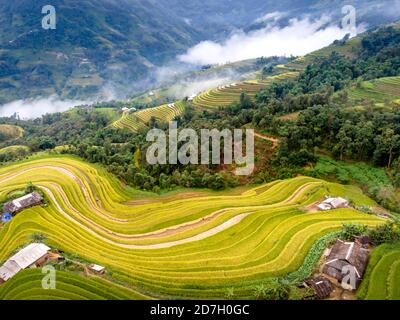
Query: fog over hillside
{"points": [[124, 46], [298, 38]]}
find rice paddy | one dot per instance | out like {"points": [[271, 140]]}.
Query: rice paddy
{"points": [[27, 285], [140, 119], [226, 95], [382, 278], [197, 247], [379, 90]]}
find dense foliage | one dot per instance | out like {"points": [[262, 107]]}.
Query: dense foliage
{"points": [[326, 123]]}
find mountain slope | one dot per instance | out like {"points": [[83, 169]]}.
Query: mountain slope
{"points": [[95, 41], [116, 43]]}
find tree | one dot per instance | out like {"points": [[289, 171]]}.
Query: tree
{"points": [[388, 143], [344, 139], [245, 101], [396, 172]]}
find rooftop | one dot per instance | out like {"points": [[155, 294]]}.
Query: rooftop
{"points": [[23, 259]]}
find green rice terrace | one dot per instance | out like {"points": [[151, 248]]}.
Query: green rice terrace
{"points": [[378, 90], [382, 278], [140, 119], [202, 246], [228, 94]]}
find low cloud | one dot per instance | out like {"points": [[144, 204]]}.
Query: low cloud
{"points": [[195, 87], [33, 108], [299, 37], [274, 16]]}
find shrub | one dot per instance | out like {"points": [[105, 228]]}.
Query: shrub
{"points": [[386, 233], [353, 230]]}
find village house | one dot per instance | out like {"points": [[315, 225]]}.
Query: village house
{"points": [[31, 256], [25, 202], [333, 203], [345, 258]]}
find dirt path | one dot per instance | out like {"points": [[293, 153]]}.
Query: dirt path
{"points": [[274, 141], [156, 234]]}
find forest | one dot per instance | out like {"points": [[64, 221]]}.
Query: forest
{"points": [[326, 124]]}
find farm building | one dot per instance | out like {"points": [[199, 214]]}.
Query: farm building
{"points": [[17, 205], [191, 98], [32, 255], [96, 268], [346, 254], [333, 203], [321, 286]]}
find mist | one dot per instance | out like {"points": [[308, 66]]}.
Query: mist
{"points": [[36, 107], [299, 37], [187, 89]]}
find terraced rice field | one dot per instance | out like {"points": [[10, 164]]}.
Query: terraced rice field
{"points": [[27, 285], [382, 279], [11, 132], [348, 50], [182, 248], [140, 119], [380, 90], [228, 94]]}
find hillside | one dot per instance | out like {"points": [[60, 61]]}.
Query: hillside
{"points": [[141, 119], [326, 125], [102, 46], [116, 41], [181, 233], [10, 132]]}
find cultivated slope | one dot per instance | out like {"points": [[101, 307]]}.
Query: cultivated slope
{"points": [[193, 247], [226, 95], [140, 119], [382, 278]]}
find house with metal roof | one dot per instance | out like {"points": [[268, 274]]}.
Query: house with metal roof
{"points": [[28, 257], [25, 202], [333, 203], [345, 257]]}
